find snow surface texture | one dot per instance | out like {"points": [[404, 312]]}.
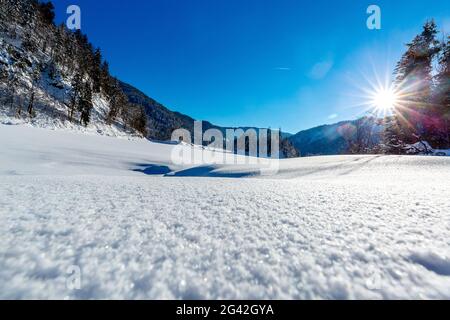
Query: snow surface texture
{"points": [[139, 227]]}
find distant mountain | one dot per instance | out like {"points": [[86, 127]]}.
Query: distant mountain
{"points": [[323, 140], [336, 138], [161, 121]]}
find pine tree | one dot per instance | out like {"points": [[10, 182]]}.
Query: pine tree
{"points": [[13, 85], [35, 77], [105, 78], [138, 118], [3, 74], [75, 94], [85, 104], [392, 136], [117, 102], [95, 71], [442, 95], [414, 80], [47, 11], [288, 150]]}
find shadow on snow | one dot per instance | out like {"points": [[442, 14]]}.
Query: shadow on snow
{"points": [[201, 171]]}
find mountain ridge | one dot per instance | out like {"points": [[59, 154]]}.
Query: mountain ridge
{"points": [[336, 138]]}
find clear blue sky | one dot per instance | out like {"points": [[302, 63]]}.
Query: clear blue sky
{"points": [[280, 63]]}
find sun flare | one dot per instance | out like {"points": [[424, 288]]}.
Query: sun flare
{"points": [[385, 99]]}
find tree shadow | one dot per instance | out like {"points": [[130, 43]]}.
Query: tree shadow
{"points": [[153, 169], [201, 171], [207, 171]]}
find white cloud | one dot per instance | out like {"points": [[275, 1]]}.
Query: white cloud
{"points": [[332, 116], [321, 69], [282, 69]]}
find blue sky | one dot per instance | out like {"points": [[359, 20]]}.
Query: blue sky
{"points": [[280, 63]]}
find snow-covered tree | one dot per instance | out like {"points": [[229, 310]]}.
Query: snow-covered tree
{"points": [[414, 80], [442, 96]]}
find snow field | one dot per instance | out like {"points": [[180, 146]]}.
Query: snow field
{"points": [[323, 228]]}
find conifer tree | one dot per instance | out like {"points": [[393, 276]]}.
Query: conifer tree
{"points": [[117, 102], [35, 77], [47, 11], [105, 78], [95, 71], [75, 94], [442, 95], [414, 80], [85, 104], [12, 85], [393, 133]]}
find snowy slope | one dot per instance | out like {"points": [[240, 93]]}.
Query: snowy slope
{"points": [[32, 71], [50, 110], [139, 226]]}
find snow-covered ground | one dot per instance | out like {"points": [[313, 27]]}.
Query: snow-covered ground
{"points": [[132, 224]]}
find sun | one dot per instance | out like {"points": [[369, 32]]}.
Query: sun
{"points": [[379, 95], [385, 99]]}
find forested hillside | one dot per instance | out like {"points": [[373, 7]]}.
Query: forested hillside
{"points": [[51, 76]]}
